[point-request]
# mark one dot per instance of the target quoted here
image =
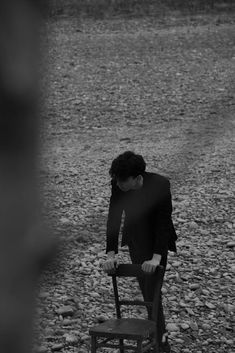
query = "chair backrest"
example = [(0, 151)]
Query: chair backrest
[(134, 270)]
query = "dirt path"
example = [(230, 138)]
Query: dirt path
[(167, 93)]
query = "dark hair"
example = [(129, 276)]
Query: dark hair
[(126, 165)]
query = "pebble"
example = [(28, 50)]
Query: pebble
[(172, 327), (64, 220), (176, 263), (193, 225), (231, 244), (41, 350), (194, 286), (57, 347), (184, 326), (229, 342), (101, 318), (67, 322), (194, 326), (71, 339), (204, 232), (85, 337), (189, 311), (173, 334), (178, 340), (205, 292), (229, 308), (65, 311), (209, 305)]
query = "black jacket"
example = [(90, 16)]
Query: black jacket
[(147, 221)]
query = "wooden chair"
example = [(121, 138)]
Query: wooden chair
[(113, 332)]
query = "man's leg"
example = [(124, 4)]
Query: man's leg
[(147, 285)]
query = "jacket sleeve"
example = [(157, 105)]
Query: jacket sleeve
[(163, 210), (114, 219)]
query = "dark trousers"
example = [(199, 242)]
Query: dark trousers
[(147, 285)]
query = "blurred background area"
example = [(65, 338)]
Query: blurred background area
[(107, 8), (24, 242)]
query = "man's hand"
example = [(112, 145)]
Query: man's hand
[(111, 263), (150, 266)]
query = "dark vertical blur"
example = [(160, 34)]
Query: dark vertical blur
[(21, 235)]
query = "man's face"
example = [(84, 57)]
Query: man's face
[(127, 184)]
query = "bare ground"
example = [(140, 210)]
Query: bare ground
[(165, 90)]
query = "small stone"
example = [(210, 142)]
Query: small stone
[(194, 286), (231, 244), (67, 322), (178, 340), (85, 337), (176, 263), (184, 326), (229, 308), (189, 311), (101, 319), (194, 326), (172, 327), (57, 347), (41, 349), (59, 332), (199, 303), (174, 334), (181, 220), (205, 292), (193, 225), (49, 331), (65, 311), (230, 342), (204, 232), (64, 220), (71, 339), (210, 306)]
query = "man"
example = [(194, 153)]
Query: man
[(148, 231)]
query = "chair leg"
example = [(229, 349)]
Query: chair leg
[(121, 346), (156, 348), (93, 344), (139, 346)]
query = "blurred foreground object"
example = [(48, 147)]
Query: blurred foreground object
[(22, 245)]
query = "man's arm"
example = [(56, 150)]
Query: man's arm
[(163, 214), (114, 219), (113, 227), (163, 209)]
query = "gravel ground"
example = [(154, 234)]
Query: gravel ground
[(167, 92)]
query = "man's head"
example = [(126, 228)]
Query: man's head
[(127, 169)]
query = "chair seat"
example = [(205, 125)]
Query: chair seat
[(125, 328)]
